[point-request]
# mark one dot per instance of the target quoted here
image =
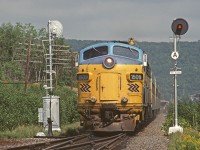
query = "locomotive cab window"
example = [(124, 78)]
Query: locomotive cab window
[(126, 52), (95, 52)]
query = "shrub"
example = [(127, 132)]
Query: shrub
[(189, 140), (20, 109), (188, 115)]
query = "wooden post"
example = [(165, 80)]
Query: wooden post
[(27, 66)]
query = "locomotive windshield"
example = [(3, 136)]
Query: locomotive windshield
[(95, 52), (126, 52)]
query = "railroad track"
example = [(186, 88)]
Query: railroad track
[(85, 141)]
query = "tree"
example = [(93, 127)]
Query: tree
[(14, 47)]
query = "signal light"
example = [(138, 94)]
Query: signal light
[(179, 29), (179, 26)]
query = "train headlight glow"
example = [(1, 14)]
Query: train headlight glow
[(109, 63)]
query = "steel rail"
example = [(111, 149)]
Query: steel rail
[(43, 144), (89, 143), (67, 142), (111, 142)]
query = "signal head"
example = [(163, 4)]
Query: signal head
[(179, 26)]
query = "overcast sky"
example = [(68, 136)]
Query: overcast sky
[(145, 20)]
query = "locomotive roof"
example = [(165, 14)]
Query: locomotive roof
[(124, 53), (112, 44)]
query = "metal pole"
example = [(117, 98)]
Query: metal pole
[(175, 85), (50, 57), (50, 86)]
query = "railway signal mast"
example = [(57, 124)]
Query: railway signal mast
[(51, 102), (179, 27)]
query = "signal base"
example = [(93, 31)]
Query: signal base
[(175, 129)]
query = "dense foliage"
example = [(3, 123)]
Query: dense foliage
[(19, 108)]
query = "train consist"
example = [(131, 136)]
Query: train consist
[(116, 89)]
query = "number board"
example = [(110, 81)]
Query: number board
[(82, 76), (136, 76)]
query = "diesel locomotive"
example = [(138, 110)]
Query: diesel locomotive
[(116, 87)]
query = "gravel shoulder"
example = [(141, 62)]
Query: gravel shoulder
[(150, 138)]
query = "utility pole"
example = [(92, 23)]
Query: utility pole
[(27, 66)]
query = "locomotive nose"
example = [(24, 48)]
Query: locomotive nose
[(109, 62)]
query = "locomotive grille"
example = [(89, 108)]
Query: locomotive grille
[(85, 87), (133, 87)]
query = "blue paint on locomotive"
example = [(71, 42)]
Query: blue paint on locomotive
[(123, 53)]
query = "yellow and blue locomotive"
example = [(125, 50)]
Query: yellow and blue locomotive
[(116, 90)]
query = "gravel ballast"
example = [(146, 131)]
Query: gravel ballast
[(149, 138)]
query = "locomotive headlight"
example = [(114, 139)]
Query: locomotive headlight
[(109, 62), (93, 99), (124, 100)]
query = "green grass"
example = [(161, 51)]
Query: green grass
[(21, 132), (72, 129), (31, 130)]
